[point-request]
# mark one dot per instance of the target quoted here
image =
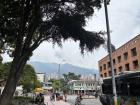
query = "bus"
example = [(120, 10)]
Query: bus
[(127, 87)]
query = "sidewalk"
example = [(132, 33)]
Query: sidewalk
[(88, 97), (48, 102)]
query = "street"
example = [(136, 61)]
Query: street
[(71, 101), (48, 102), (91, 101)]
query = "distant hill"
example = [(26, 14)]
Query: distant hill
[(50, 68)]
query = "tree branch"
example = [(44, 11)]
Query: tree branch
[(32, 26)]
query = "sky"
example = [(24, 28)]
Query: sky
[(124, 18)]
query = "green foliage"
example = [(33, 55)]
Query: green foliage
[(64, 85), (28, 78), (1, 59), (55, 84), (71, 76), (21, 99), (66, 78), (4, 71)]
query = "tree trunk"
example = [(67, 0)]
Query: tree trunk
[(11, 83), (8, 91)]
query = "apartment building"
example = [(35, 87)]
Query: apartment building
[(41, 77), (125, 58)]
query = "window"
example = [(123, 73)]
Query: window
[(135, 64), (133, 52), (120, 69), (109, 65), (110, 73), (105, 74), (127, 67), (114, 62), (104, 66), (125, 55), (119, 59), (115, 72), (100, 68), (101, 75)]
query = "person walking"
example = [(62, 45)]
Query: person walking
[(105, 100), (39, 99), (78, 99), (65, 97)]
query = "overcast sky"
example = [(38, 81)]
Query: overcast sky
[(124, 18)]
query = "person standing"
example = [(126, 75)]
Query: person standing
[(65, 96)]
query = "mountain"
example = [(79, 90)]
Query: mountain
[(50, 68)]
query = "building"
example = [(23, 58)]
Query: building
[(83, 86), (47, 86), (52, 76), (88, 77), (41, 77), (125, 58)]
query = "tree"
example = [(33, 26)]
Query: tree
[(25, 24), (55, 84), (66, 78), (28, 78), (71, 76)]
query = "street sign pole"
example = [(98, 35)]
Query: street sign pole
[(110, 53)]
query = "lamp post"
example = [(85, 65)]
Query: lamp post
[(110, 52), (59, 75)]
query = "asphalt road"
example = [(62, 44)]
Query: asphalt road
[(91, 101)]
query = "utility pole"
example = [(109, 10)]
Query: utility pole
[(110, 52)]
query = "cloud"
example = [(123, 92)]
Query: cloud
[(123, 17)]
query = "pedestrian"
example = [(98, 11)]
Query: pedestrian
[(65, 96), (39, 99), (78, 99), (122, 101), (103, 100), (96, 95)]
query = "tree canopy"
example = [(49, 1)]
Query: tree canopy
[(29, 22), (55, 84), (71, 76)]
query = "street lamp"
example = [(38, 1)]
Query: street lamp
[(59, 75), (110, 52)]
